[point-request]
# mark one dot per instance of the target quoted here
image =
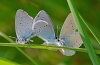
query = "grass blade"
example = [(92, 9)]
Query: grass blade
[(44, 47), (83, 33)]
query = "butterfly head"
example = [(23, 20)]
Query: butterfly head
[(21, 40)]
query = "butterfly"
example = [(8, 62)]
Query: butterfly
[(23, 27), (69, 36)]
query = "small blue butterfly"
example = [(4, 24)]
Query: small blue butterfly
[(23, 26)]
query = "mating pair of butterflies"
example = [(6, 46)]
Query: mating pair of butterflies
[(26, 27)]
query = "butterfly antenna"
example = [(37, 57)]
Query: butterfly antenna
[(12, 37), (31, 40)]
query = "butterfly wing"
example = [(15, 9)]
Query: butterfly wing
[(43, 30), (23, 26), (42, 15), (70, 36), (46, 31)]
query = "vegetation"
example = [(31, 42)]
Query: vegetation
[(88, 11)]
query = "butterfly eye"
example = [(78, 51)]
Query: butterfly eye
[(16, 39)]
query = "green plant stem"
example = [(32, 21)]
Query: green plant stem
[(10, 40), (44, 47), (83, 33)]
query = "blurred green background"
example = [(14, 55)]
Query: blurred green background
[(58, 11)]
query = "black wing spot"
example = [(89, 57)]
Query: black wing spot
[(71, 22), (46, 25), (72, 26), (68, 36), (61, 38), (34, 28), (36, 32), (39, 30), (20, 30), (20, 23), (41, 19), (38, 16)]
